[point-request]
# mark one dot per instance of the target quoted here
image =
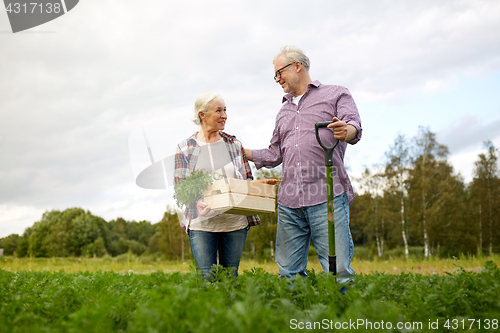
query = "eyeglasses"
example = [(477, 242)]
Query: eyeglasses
[(277, 75)]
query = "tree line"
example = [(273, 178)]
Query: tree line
[(413, 200), (76, 232), (416, 199)]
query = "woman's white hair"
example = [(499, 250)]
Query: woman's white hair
[(292, 53), (202, 104)]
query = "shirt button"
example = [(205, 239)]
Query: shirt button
[(298, 163), (296, 145), (297, 127)]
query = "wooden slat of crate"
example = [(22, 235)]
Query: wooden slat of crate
[(240, 204), (232, 185)]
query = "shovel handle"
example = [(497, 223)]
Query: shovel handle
[(328, 150)]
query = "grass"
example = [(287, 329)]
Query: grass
[(257, 301), (147, 265), (147, 294)]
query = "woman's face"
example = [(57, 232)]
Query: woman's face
[(215, 118)]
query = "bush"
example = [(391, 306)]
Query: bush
[(125, 257), (132, 245), (107, 257), (95, 249), (362, 253), (416, 252)]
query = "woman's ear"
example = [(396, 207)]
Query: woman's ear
[(201, 115)]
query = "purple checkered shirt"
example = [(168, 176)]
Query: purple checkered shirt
[(294, 144), (186, 156)]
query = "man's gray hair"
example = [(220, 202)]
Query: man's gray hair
[(202, 104), (292, 53)]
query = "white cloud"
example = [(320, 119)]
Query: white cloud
[(15, 219), (464, 162), (468, 133)]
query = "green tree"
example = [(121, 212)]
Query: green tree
[(359, 215), (423, 193), (117, 229), (60, 234), (173, 241), (9, 244), (124, 235), (96, 248), (449, 231), (141, 231), (23, 243), (396, 173), (86, 229), (486, 191), (38, 244), (154, 243), (60, 242), (372, 182), (127, 245)]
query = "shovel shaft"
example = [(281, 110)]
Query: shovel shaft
[(331, 215), (329, 193)]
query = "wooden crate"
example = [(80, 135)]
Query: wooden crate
[(241, 197)]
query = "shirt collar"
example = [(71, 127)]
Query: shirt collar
[(289, 96), (227, 138), (192, 139)]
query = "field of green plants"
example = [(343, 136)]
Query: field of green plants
[(129, 262), (256, 301)]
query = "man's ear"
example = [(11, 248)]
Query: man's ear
[(298, 66)]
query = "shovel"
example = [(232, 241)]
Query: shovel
[(332, 259)]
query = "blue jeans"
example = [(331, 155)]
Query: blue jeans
[(298, 226), (205, 246)]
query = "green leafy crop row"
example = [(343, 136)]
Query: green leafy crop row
[(256, 301)]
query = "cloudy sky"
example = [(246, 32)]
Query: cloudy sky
[(75, 92)]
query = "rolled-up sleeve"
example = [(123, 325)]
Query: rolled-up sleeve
[(348, 112)]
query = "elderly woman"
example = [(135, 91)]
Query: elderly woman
[(212, 150)]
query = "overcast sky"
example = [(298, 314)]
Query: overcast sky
[(75, 91)]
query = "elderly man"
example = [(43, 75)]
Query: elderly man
[(302, 207)]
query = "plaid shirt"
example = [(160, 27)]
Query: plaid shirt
[(186, 156)]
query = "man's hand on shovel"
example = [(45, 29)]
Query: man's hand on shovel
[(341, 130)]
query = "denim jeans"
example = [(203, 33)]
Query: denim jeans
[(205, 246), (298, 226)]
